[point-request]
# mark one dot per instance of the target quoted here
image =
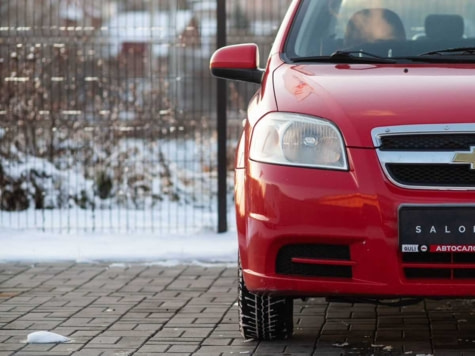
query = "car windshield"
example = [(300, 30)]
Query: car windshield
[(383, 31)]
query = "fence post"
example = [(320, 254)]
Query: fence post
[(222, 124)]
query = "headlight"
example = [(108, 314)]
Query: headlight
[(298, 140)]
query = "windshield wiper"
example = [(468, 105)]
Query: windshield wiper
[(450, 51), (360, 54), (347, 57), (448, 55)]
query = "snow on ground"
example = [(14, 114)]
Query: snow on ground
[(174, 227), (128, 237), (37, 246)]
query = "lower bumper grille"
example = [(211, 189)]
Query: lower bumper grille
[(448, 266), (311, 260)]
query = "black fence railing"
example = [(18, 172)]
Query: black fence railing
[(108, 111)]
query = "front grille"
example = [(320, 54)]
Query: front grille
[(428, 142), (441, 175), (448, 266), (315, 260), (428, 156)]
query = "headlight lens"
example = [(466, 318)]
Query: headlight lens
[(298, 140)]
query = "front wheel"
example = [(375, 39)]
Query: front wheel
[(264, 317)]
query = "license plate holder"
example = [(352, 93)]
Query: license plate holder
[(436, 229)]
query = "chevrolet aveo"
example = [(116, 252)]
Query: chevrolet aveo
[(355, 173)]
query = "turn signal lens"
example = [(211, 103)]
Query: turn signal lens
[(298, 140)]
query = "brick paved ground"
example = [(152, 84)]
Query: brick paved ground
[(188, 310)]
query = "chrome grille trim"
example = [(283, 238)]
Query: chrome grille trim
[(378, 132), (419, 157), (411, 157)]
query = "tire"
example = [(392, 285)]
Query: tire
[(264, 317)]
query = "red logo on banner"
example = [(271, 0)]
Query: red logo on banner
[(452, 248)]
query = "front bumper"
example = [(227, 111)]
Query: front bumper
[(310, 232)]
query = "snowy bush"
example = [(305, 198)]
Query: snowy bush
[(135, 174), (35, 183)]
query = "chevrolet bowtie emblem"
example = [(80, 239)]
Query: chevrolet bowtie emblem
[(465, 158)]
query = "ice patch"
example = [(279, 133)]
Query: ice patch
[(46, 337)]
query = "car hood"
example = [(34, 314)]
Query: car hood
[(358, 98)]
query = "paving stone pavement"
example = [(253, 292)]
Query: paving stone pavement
[(191, 310)]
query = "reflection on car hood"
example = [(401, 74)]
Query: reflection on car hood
[(363, 96)]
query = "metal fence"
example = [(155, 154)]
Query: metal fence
[(108, 111)]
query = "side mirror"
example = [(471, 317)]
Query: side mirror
[(237, 62)]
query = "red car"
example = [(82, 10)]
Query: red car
[(355, 174)]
